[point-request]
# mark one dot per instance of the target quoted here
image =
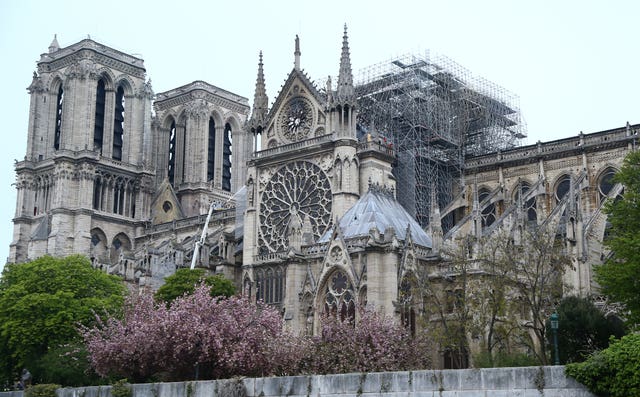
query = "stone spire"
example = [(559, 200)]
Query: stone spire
[(297, 54), (260, 101), (345, 91), (54, 46)]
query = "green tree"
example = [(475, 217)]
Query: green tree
[(619, 277), (184, 281), (41, 305), (522, 274), (583, 329)]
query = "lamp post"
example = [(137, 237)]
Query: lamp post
[(554, 328)]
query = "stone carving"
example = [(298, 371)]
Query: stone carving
[(36, 84), (197, 109)]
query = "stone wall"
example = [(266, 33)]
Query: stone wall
[(494, 382)]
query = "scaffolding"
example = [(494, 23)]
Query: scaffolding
[(436, 113)]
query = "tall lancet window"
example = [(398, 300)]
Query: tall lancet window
[(98, 130), (211, 150), (58, 131), (171, 166), (118, 125), (226, 158)]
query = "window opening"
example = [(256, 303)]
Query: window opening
[(563, 187), (184, 153), (226, 158), (339, 297), (407, 311), (270, 285), (211, 150), (171, 167), (58, 131), (97, 194), (606, 183), (118, 125), (98, 130), (530, 206), (488, 214)]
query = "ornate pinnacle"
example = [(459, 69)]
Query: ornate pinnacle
[(54, 46), (345, 91), (260, 100)]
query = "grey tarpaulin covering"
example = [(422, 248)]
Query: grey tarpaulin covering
[(380, 210)]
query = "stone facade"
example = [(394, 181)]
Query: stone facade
[(301, 204)]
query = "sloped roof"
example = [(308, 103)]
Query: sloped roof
[(379, 209)]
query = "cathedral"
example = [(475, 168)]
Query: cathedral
[(305, 204)]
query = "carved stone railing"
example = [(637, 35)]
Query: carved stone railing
[(315, 249), (198, 220), (271, 256), (81, 154), (448, 269), (540, 149), (292, 146), (373, 146)]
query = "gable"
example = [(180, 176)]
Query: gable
[(166, 206), (297, 113)]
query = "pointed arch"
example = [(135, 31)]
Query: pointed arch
[(171, 148), (488, 212), (99, 245), (118, 123), (121, 242), (109, 78), (127, 84), (530, 207), (336, 295), (227, 156), (58, 89), (211, 149), (99, 114), (407, 301)]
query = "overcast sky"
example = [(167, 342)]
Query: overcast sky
[(574, 64)]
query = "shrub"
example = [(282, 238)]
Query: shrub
[(121, 388), (42, 390), (614, 371)]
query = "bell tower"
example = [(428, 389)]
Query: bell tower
[(85, 181)]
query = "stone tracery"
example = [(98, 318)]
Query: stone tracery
[(297, 188)]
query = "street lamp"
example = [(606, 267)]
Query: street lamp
[(554, 328)]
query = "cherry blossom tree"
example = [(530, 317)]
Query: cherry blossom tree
[(201, 337), (196, 336), (375, 343)]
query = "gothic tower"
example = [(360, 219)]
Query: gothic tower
[(201, 145), (85, 183)]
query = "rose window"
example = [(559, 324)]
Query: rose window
[(296, 119), (298, 194)]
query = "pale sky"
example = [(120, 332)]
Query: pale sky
[(574, 64)]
